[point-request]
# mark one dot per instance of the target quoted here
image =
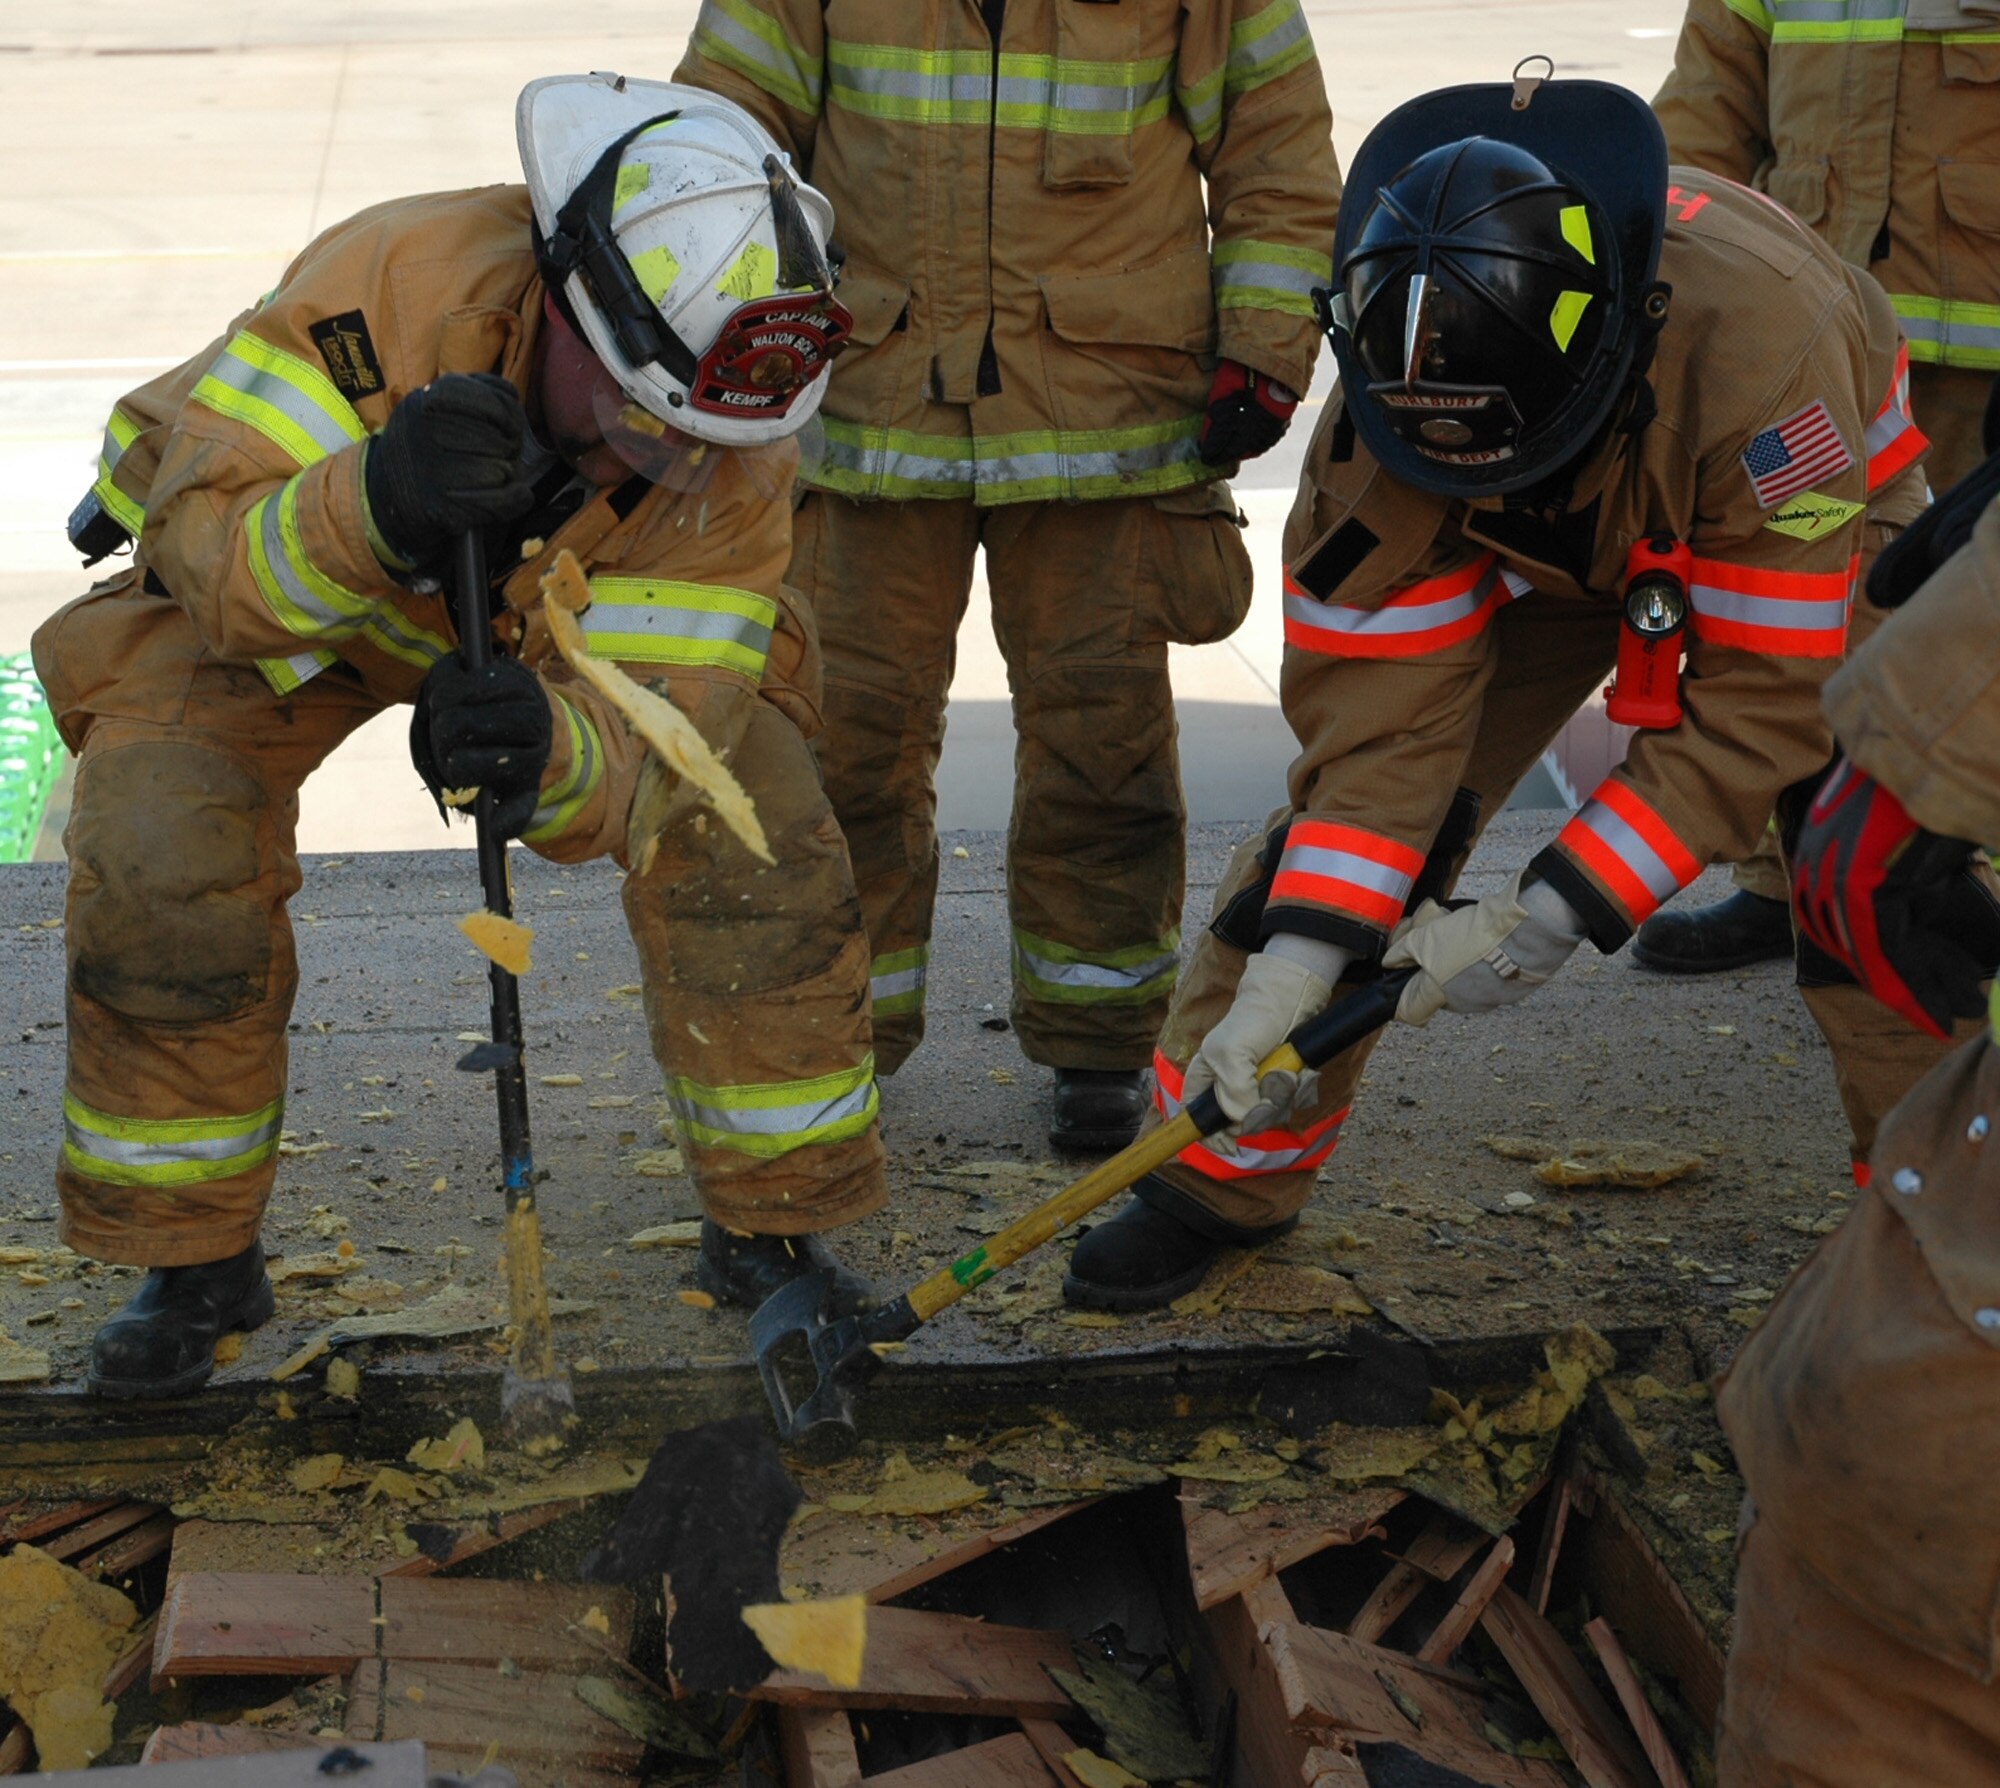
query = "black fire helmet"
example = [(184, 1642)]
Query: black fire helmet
[(1494, 269)]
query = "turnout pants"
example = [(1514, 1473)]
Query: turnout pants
[(1553, 655), (181, 969), (1086, 597)]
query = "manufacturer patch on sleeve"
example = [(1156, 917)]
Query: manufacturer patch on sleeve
[(344, 345), (1811, 515)]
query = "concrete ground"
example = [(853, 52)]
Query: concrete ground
[(393, 1152), (161, 161)]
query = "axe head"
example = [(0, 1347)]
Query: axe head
[(814, 1365)]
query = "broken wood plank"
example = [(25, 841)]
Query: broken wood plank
[(100, 1529), (1653, 1739), (196, 1739), (1008, 1762), (132, 1661), (940, 1663), (1337, 1688), (1387, 1602), (834, 1555), (268, 1624), (1227, 1553), (1547, 1549), (1636, 1593), (1052, 1744), (443, 1544), (1444, 1547), (1270, 1751), (118, 1558), (31, 1527), (468, 1708), (535, 1625), (816, 1745), (1267, 1601), (253, 1624), (16, 1747), (1604, 1752), (1463, 1615)]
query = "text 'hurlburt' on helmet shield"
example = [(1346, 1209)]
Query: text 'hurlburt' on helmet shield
[(694, 261), (1487, 309)]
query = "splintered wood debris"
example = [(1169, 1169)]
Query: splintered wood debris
[(672, 736), (505, 941), (1633, 1164), (827, 1639), (1351, 1587)]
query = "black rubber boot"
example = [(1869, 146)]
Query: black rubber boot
[(162, 1343), (1731, 934), (1154, 1250), (746, 1269), (1098, 1109)]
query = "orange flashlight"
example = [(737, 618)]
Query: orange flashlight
[(1645, 690)]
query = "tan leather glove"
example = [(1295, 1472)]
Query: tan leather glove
[(1481, 957), (1275, 996)]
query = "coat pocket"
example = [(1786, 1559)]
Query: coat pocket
[(1167, 304), (1199, 581), (878, 302), (1092, 93), (1800, 186)]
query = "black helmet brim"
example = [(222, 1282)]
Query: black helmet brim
[(1602, 139)]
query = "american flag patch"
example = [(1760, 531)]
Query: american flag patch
[(1792, 454)]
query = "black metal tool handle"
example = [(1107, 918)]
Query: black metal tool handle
[(1348, 1021), (475, 644)]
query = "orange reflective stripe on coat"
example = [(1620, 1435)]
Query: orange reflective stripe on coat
[(1419, 618), (1345, 869), (1629, 848), (1789, 614), (1264, 1151), (1893, 440)]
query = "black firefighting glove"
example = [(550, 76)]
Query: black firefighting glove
[(1248, 413), (486, 728), (1894, 904), (448, 460)]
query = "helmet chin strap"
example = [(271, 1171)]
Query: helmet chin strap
[(582, 242)]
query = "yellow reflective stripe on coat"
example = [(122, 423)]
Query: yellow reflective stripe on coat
[(1267, 44), (1949, 331), (739, 36), (1062, 973), (287, 676), (771, 1120), (303, 598), (124, 1151), (1035, 466), (896, 981), (1252, 275), (653, 620), (1014, 91), (570, 793), (1754, 11), (120, 431), (288, 401)]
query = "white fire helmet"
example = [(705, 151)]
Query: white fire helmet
[(692, 258)]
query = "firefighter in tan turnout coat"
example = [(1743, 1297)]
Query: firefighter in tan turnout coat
[(1876, 123), (1080, 240), (1865, 1410), (294, 490), (1554, 350)]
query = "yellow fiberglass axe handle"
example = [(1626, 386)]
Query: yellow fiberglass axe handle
[(1316, 1042)]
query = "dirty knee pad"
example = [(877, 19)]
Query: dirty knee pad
[(164, 853)]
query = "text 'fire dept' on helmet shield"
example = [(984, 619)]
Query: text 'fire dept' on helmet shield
[(1491, 291)]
